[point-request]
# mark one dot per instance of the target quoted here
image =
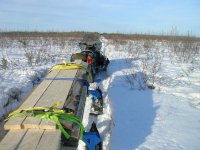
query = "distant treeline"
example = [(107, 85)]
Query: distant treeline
[(78, 35), (149, 37)]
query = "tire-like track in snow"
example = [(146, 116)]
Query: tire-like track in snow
[(104, 122)]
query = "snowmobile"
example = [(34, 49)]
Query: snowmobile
[(91, 53)]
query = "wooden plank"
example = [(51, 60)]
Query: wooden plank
[(31, 139), (47, 124), (14, 123), (57, 91), (65, 88), (31, 100), (29, 123), (51, 140), (12, 139), (40, 90)]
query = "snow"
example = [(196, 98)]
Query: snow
[(176, 125), (23, 76), (163, 118)]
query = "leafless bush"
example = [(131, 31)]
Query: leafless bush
[(4, 64), (118, 44), (134, 49), (37, 52), (23, 42), (148, 45), (62, 44), (190, 50), (185, 50), (29, 55), (136, 80), (149, 63), (43, 56), (4, 60)]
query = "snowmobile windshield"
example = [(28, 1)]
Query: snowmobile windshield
[(90, 42)]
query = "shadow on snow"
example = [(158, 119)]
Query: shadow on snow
[(132, 110)]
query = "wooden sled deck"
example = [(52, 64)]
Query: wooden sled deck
[(41, 134)]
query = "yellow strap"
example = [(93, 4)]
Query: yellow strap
[(67, 66), (51, 113), (52, 108)]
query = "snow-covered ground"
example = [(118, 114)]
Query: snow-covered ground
[(135, 117), (23, 63), (164, 118)]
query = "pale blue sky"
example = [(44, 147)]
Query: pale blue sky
[(126, 16)]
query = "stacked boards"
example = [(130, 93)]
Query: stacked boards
[(35, 133)]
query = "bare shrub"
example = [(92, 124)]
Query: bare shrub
[(134, 49), (186, 49), (130, 78), (151, 61), (39, 57), (4, 60), (28, 53), (4, 63), (62, 44), (189, 51), (30, 56), (23, 42), (37, 52), (119, 44), (136, 80), (147, 45), (149, 58)]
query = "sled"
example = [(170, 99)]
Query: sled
[(97, 102)]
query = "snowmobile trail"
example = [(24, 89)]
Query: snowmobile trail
[(104, 121)]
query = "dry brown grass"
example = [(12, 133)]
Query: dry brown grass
[(77, 35), (44, 35), (124, 37)]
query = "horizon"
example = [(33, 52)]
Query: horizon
[(102, 33)]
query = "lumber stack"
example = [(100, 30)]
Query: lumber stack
[(35, 133)]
